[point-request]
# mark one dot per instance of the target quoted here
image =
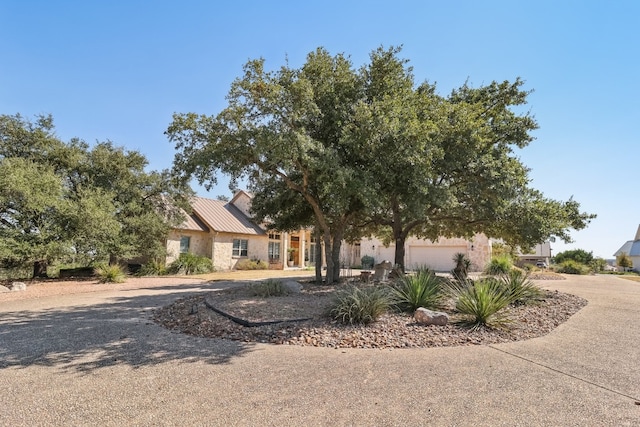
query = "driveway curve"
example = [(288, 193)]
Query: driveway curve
[(96, 359)]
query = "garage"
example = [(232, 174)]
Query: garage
[(438, 258)]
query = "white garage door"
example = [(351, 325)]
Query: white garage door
[(385, 254), (438, 258)]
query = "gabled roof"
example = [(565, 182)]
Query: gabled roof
[(221, 216), (631, 247), (193, 223), (626, 248)]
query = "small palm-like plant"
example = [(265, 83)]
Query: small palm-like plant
[(109, 273), (463, 264), (423, 289), (520, 289), (480, 303), (354, 305)]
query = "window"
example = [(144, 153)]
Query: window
[(274, 251), (312, 251), (240, 247), (185, 243), (274, 247)]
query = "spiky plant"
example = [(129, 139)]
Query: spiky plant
[(423, 289), (110, 273), (521, 290), (481, 303), (501, 264), (354, 305)]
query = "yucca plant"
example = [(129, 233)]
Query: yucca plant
[(521, 290), (423, 289), (354, 305), (109, 273), (480, 303)]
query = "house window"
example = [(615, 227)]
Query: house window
[(240, 247), (312, 250), (185, 243), (274, 247), (274, 251)]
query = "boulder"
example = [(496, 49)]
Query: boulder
[(18, 286), (292, 287), (424, 316), (4, 289), (381, 271)]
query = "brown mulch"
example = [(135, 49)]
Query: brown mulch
[(393, 330)]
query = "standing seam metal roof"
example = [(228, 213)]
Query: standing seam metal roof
[(224, 217)]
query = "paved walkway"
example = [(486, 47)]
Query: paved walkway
[(95, 359)]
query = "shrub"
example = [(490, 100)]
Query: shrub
[(189, 263), (367, 262), (499, 265), (109, 273), (423, 289), (519, 288), (480, 303), (153, 268), (354, 305), (572, 267), (251, 264), (269, 288)]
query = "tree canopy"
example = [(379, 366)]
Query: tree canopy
[(577, 255), (64, 201), (364, 151)]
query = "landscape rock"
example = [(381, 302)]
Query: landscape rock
[(424, 316), (18, 286), (381, 271), (292, 286), (4, 289)]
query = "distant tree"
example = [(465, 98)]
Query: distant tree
[(577, 255), (222, 198), (623, 260), (598, 264), (61, 200)]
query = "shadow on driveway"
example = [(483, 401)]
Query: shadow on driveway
[(115, 331)]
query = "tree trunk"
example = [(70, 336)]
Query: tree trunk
[(328, 257), (335, 253), (318, 260), (400, 253), (40, 268)]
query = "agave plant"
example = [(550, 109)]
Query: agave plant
[(354, 305)]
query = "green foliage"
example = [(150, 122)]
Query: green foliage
[(354, 305), (269, 288), (367, 262), (153, 268), (578, 255), (481, 303), (251, 264), (519, 288), (60, 200), (501, 264), (110, 273), (623, 260), (189, 263), (423, 289), (598, 264), (571, 267), (310, 142)]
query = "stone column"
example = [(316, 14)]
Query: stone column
[(303, 245)]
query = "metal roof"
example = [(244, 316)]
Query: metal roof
[(192, 222), (224, 217)]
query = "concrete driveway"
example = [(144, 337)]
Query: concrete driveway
[(96, 359)]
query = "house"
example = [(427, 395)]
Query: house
[(541, 254), (435, 255), (224, 232), (632, 249)]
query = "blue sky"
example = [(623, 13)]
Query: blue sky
[(119, 69)]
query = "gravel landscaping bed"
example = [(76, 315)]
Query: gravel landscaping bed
[(192, 316)]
